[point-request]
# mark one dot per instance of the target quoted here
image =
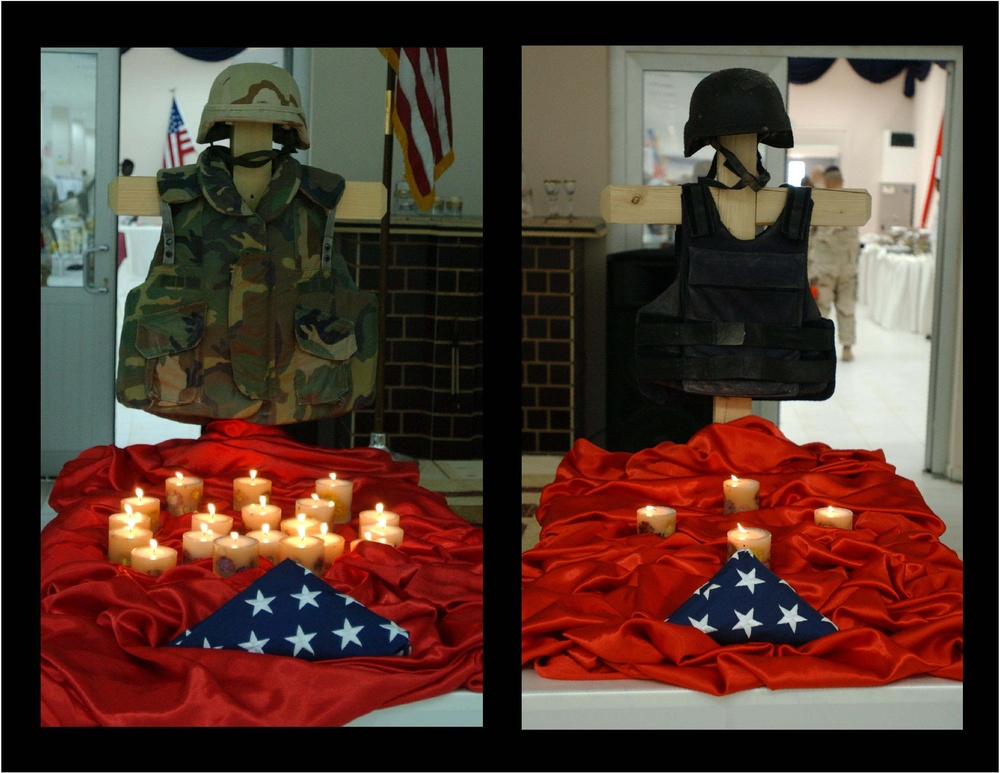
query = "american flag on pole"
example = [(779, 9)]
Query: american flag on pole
[(178, 143), (422, 118)]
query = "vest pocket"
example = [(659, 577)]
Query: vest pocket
[(324, 345), (169, 341)]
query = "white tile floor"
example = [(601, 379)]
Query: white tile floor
[(880, 402)]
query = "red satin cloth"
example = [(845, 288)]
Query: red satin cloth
[(104, 626), (595, 594)]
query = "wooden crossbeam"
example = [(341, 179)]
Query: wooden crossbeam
[(662, 205), (139, 196)]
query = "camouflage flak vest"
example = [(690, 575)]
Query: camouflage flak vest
[(739, 320), (248, 314)]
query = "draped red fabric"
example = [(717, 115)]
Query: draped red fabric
[(104, 626), (595, 593)]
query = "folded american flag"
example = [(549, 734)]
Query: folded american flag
[(747, 602), (290, 611)]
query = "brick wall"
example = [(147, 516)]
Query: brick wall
[(433, 403), (551, 356)]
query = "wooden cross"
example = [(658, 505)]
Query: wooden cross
[(140, 196), (740, 211)]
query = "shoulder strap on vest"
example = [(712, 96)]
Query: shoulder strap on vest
[(699, 215), (797, 213)]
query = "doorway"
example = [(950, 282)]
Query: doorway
[(942, 454)]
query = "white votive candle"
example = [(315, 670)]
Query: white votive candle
[(740, 495), (752, 538), (234, 553), (838, 517), (248, 490), (220, 523), (340, 491), (153, 559), (255, 516), (198, 543), (184, 494), (656, 519)]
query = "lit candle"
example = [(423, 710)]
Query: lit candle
[(378, 515), (333, 546), (198, 544), (255, 516), (383, 532), (249, 490), (304, 550), (269, 542), (838, 517), (121, 542), (128, 518), (148, 505), (184, 494), (365, 537), (339, 491), (314, 507), (153, 559), (755, 539), (290, 526), (220, 523), (741, 494), (234, 553), (654, 519)]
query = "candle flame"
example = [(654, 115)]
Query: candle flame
[(323, 528), (649, 508), (302, 534), (152, 545), (138, 493), (740, 527), (263, 501), (734, 478), (379, 507), (211, 509), (301, 516), (234, 535), (204, 529), (253, 474), (128, 509), (180, 475), (315, 496), (333, 476), (266, 528)]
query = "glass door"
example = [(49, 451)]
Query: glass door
[(79, 147)]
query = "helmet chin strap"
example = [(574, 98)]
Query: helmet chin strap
[(257, 158), (733, 164)]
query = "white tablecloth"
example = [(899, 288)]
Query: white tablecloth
[(897, 288)]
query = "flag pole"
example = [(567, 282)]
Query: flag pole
[(379, 435)]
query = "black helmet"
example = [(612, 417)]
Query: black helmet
[(736, 101)]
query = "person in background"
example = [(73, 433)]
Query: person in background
[(127, 167), (833, 269)]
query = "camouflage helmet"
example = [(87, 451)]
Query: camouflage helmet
[(261, 93), (737, 101)]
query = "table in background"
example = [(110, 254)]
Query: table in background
[(897, 288)]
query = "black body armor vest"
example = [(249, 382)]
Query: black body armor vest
[(739, 320)]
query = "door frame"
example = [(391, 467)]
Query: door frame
[(89, 395), (944, 437)]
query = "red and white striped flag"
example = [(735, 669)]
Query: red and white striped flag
[(178, 143), (422, 118)]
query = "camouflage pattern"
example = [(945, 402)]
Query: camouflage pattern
[(262, 93), (245, 323)]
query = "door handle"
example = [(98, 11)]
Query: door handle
[(88, 270)]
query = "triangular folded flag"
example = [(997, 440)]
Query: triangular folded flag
[(747, 602), (290, 611)]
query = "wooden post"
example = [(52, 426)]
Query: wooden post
[(740, 211)]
